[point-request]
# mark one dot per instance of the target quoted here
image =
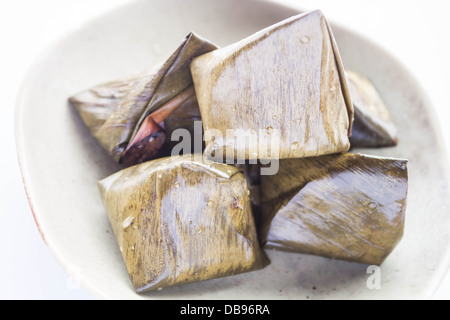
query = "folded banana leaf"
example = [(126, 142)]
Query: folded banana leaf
[(372, 126), (129, 117), (285, 84), (178, 220), (252, 176), (346, 206)]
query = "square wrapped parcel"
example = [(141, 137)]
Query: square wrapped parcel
[(283, 86), (347, 206)]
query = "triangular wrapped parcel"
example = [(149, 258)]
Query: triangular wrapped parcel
[(346, 206), (284, 86), (130, 117)]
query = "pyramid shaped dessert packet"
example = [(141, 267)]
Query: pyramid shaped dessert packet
[(130, 117), (182, 219), (344, 206), (283, 88)]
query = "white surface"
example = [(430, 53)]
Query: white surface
[(414, 35)]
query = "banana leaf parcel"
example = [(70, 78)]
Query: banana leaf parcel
[(346, 206), (285, 85), (178, 220), (133, 118)]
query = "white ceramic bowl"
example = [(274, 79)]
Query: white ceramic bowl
[(61, 162)]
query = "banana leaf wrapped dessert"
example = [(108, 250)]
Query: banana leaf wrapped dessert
[(284, 86), (252, 174), (346, 206), (133, 118), (372, 126), (178, 220)]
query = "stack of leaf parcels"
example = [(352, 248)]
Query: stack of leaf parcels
[(184, 218)]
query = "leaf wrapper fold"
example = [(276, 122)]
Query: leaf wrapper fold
[(373, 126)]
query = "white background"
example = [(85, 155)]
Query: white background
[(415, 31)]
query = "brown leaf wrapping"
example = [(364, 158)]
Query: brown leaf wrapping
[(373, 126), (286, 80), (178, 220), (347, 206), (115, 111)]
